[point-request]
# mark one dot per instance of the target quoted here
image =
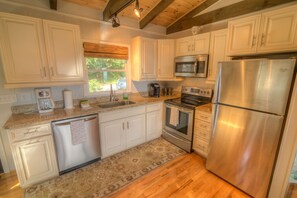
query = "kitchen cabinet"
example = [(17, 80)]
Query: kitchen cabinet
[(202, 131), (38, 52), (191, 45), (154, 121), (121, 129), (144, 58), (33, 153), (217, 52), (272, 31), (166, 59), (64, 51)]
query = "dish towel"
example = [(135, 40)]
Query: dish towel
[(78, 132), (174, 116)]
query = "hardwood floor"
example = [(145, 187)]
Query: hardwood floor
[(185, 176)]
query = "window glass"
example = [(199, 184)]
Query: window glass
[(105, 71)]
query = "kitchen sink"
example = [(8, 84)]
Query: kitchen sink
[(116, 104)]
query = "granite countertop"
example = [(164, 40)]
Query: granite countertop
[(205, 108), (35, 118)]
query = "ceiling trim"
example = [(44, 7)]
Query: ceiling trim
[(234, 10), (162, 5), (114, 7)]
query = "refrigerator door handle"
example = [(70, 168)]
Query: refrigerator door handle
[(217, 86)]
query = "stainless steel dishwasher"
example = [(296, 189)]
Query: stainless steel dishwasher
[(72, 156)]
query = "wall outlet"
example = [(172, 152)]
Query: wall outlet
[(8, 98)]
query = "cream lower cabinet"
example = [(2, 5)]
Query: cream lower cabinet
[(121, 129), (34, 154), (217, 53), (273, 31), (154, 121), (38, 52)]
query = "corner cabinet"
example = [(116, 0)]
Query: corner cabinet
[(272, 31), (33, 154), (38, 52), (191, 45), (217, 53), (144, 58)]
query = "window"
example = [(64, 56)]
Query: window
[(105, 71), (107, 65)]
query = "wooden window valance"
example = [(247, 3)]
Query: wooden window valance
[(105, 51)]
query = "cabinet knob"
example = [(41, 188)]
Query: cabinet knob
[(262, 39), (254, 41)]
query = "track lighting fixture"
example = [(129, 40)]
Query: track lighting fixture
[(115, 21), (137, 10)]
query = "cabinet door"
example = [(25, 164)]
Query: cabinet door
[(165, 59), (278, 32), (243, 34), (153, 125), (217, 53), (184, 46), (135, 130), (35, 160), (112, 137), (201, 44), (22, 49), (64, 49), (149, 58)]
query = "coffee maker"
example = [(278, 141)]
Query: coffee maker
[(44, 100), (154, 90)]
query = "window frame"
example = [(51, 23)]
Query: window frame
[(87, 93)]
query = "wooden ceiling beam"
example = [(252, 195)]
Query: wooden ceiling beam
[(234, 10), (114, 7), (154, 12), (53, 4)]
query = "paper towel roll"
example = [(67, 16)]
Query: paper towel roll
[(68, 102)]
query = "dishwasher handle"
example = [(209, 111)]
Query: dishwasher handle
[(67, 122)]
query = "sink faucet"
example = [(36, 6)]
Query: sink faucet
[(112, 96)]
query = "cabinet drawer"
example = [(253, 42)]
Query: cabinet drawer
[(153, 107), (200, 145), (202, 134), (201, 125), (29, 132), (203, 116), (120, 114)]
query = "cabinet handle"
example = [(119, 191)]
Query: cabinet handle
[(44, 71), (123, 126), (127, 125), (52, 71), (262, 39), (254, 41)]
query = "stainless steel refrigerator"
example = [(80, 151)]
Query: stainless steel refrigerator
[(250, 103)]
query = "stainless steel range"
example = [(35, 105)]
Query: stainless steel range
[(179, 116)]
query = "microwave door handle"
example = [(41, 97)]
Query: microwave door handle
[(196, 67)]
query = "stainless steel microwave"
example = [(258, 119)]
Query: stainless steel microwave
[(191, 66)]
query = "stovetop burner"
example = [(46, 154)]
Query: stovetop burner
[(192, 97)]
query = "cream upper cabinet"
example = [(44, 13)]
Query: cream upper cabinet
[(191, 45), (166, 59), (273, 31), (144, 58), (217, 53), (64, 51), (38, 52), (22, 49), (243, 35)]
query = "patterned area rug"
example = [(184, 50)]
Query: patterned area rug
[(110, 174)]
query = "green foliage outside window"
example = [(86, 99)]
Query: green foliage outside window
[(105, 71)]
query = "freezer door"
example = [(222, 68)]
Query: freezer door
[(243, 148), (262, 85)]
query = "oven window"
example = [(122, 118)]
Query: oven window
[(182, 126), (201, 67), (185, 67)]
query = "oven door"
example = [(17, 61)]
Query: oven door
[(184, 125)]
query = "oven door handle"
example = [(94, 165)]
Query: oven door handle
[(180, 108)]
